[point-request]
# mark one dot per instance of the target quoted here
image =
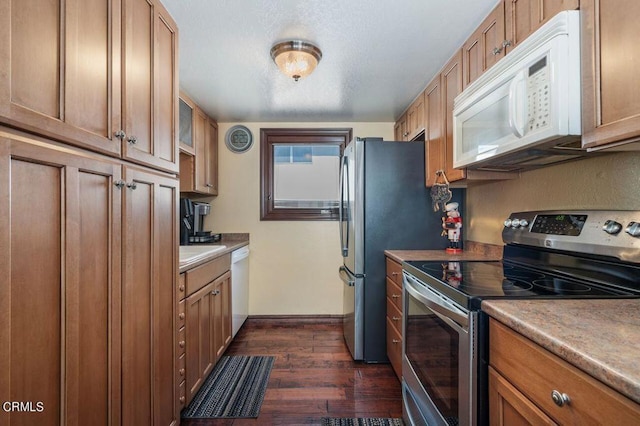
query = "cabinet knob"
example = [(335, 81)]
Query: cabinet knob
[(181, 287), (395, 296), (119, 184), (182, 371), (497, 50), (394, 341), (120, 134), (506, 43), (181, 343), (132, 186), (181, 315), (132, 140), (560, 399), (396, 318), (394, 273), (209, 185), (182, 399)]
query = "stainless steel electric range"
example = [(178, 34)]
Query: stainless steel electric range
[(547, 254)]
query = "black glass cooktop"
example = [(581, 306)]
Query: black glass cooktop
[(469, 282)]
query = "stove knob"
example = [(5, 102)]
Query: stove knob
[(611, 227), (507, 223), (515, 223), (633, 229)]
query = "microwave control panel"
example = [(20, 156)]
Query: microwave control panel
[(538, 95)]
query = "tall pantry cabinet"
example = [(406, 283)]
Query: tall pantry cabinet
[(88, 211)]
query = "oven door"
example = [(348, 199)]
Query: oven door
[(438, 366)]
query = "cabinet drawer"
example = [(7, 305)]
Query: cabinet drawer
[(394, 271), (591, 402), (394, 348), (181, 314), (182, 343), (394, 293), (204, 274), (182, 395), (182, 286), (394, 315)]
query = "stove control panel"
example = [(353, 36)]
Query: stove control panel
[(601, 232)]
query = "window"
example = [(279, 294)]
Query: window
[(300, 172)]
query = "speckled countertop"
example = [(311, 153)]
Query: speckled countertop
[(600, 337), (472, 251), (231, 241)]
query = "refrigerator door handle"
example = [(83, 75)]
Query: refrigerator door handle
[(346, 277), (344, 242)]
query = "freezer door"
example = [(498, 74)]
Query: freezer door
[(353, 313)]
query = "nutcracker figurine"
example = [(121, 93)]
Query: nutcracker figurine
[(451, 225)]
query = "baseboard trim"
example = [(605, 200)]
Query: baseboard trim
[(315, 319)]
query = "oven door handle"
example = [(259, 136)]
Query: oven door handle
[(458, 321)]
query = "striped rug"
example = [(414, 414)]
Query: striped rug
[(235, 388), (327, 421)]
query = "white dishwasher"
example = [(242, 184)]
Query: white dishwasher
[(239, 288)]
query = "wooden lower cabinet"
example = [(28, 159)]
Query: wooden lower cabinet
[(394, 315), (521, 392), (88, 290), (208, 326)]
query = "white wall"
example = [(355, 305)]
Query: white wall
[(294, 264)]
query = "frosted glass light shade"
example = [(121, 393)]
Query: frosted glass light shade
[(296, 59)]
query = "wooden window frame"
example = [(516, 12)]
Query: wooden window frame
[(293, 136)]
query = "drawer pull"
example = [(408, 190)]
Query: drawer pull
[(181, 344), (182, 371), (396, 318), (394, 341), (395, 296), (181, 316), (181, 287), (560, 399), (394, 273), (182, 399)]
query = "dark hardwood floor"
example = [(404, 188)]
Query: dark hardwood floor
[(313, 375)]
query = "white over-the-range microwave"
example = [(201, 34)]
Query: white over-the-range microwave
[(525, 111)]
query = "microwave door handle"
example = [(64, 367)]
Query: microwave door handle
[(517, 103), (454, 319)]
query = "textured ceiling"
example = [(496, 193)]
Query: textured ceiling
[(377, 55)]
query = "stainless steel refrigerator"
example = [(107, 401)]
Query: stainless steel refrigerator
[(384, 205)]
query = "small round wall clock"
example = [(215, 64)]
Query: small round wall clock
[(239, 139)]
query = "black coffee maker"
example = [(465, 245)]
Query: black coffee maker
[(186, 220)]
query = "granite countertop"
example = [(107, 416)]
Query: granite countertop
[(472, 251), (600, 337), (231, 241)]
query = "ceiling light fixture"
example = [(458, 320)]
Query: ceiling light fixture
[(296, 58)]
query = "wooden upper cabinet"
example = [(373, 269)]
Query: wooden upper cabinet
[(485, 46), (610, 79), (451, 87), (415, 117), (186, 116), (433, 136), (150, 86), (94, 74), (523, 17), (400, 129)]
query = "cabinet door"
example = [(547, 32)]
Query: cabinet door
[(60, 303), (451, 87), (186, 116), (415, 117), (400, 129), (149, 253), (223, 313), (149, 85), (484, 48), (200, 352), (610, 81), (507, 406), (59, 70), (524, 17), (435, 157), (200, 130), (211, 157)]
